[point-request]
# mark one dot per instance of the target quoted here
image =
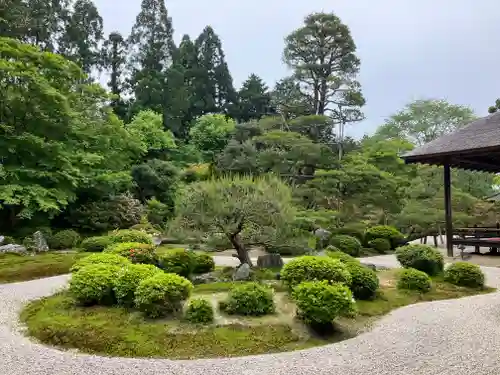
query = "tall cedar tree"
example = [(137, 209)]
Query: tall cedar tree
[(289, 101), (114, 59), (322, 56), (151, 52), (254, 100), (83, 36), (214, 86)]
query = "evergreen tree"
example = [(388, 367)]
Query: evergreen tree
[(289, 101), (254, 100)]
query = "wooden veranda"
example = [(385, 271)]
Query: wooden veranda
[(475, 147)]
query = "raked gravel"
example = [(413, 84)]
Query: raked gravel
[(452, 337)]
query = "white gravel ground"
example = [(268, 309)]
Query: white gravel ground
[(452, 337)]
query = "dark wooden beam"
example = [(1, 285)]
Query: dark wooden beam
[(447, 210)]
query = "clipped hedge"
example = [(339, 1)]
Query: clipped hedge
[(96, 244), (64, 239), (381, 245), (100, 258), (203, 263), (364, 282), (250, 299), (128, 280), (412, 279), (93, 284), (464, 274), (421, 257), (334, 253), (387, 232), (348, 244), (178, 261), (199, 311), (136, 252), (130, 235)]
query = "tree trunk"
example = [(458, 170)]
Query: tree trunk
[(242, 253)]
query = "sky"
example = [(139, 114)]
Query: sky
[(409, 49)]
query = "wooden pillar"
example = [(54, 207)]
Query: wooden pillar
[(447, 210)]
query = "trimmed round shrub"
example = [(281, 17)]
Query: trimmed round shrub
[(162, 294), (250, 299), (319, 302), (203, 263), (308, 268), (93, 284), (65, 239), (352, 230), (421, 257), (96, 244), (136, 252), (381, 245), (464, 274), (334, 253), (179, 261), (128, 280), (387, 232), (364, 282), (199, 311), (130, 235), (348, 244), (412, 279), (101, 258)]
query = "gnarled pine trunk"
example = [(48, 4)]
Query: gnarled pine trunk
[(239, 246)]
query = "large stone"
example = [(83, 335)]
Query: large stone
[(323, 236), (12, 248), (2, 238), (205, 278), (242, 272), (39, 241), (270, 261)]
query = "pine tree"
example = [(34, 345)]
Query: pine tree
[(254, 100)]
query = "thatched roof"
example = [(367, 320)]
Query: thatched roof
[(476, 146)]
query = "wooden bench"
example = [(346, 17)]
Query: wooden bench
[(478, 237)]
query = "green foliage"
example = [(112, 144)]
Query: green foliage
[(96, 244), (65, 239), (353, 230), (93, 284), (128, 280), (211, 133), (464, 274), (413, 279), (319, 302), (382, 245), (364, 282), (203, 263), (421, 257), (130, 235), (158, 213), (178, 261), (250, 299), (136, 252), (162, 294), (333, 252), (384, 231), (104, 258), (308, 268), (199, 311), (347, 244), (147, 126)]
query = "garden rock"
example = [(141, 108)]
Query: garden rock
[(374, 267), (270, 261), (157, 240), (242, 273), (205, 278), (323, 235), (12, 248), (40, 242), (2, 238)]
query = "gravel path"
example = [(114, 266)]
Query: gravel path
[(452, 337)]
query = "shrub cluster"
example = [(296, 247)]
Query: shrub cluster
[(136, 252), (249, 299), (319, 302), (199, 311), (203, 263), (348, 244), (364, 281), (178, 261), (387, 232), (64, 239), (308, 268), (93, 284), (100, 258), (421, 257), (412, 279), (162, 294), (352, 230), (464, 274), (381, 245), (96, 244), (334, 253), (130, 235), (128, 279)]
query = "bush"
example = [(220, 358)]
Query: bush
[(8, 240), (464, 274), (308, 268), (203, 263), (178, 261), (103, 258), (199, 311), (352, 230), (380, 245), (334, 253), (128, 280), (347, 244), (413, 279), (250, 299), (319, 302), (387, 232), (421, 257), (65, 239), (158, 212), (96, 244), (136, 252), (364, 282), (130, 235), (93, 284), (162, 294)]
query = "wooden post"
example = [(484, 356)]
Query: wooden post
[(477, 249), (447, 210)]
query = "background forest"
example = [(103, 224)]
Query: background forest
[(77, 155)]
